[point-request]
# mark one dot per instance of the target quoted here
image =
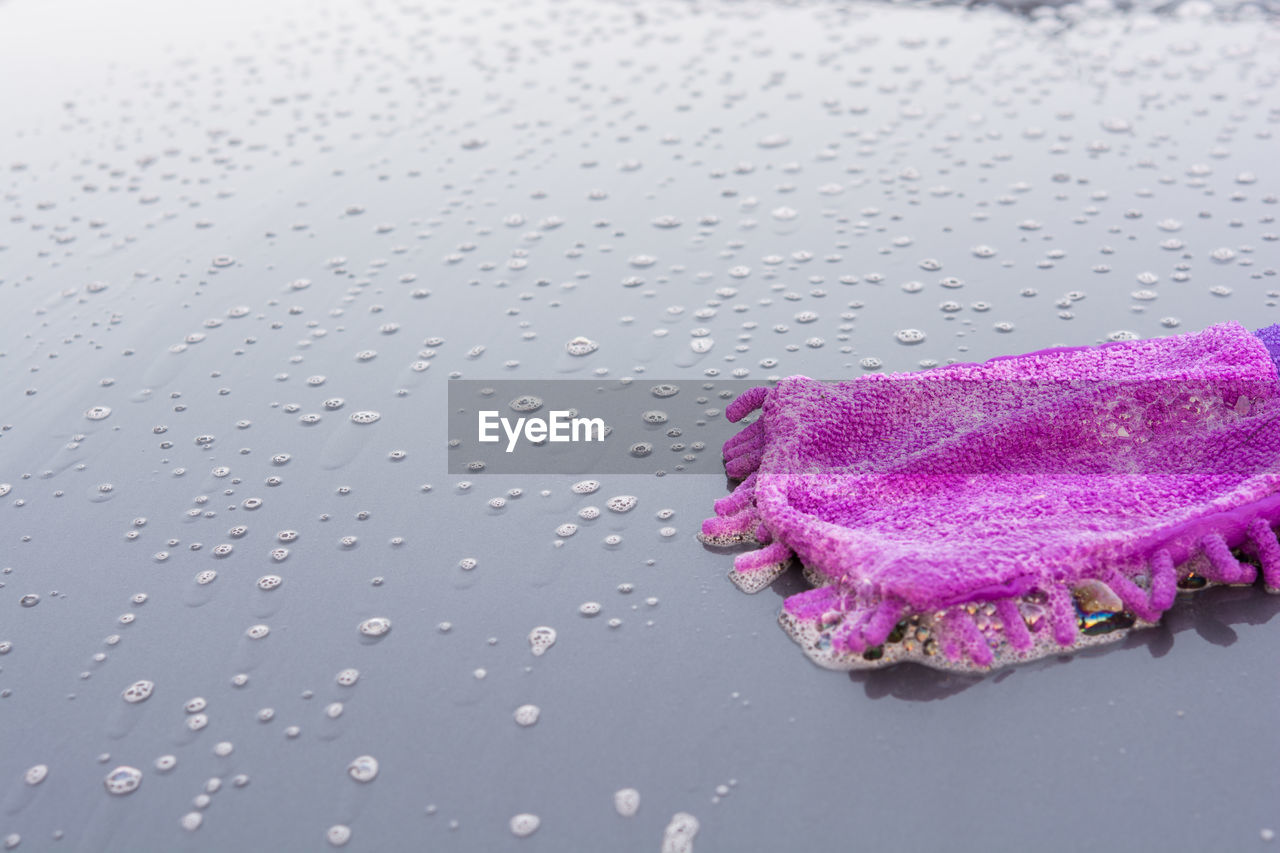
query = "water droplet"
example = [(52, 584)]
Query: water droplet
[(523, 825), (626, 801), (363, 768), (375, 627), (123, 780), (137, 692), (541, 639)]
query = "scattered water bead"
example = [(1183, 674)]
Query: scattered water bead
[(468, 563), (525, 403), (196, 722), (524, 825), (679, 834), (589, 608), (541, 639), (195, 705), (348, 677), (365, 417), (376, 626), (123, 780), (585, 487), (31, 599), (36, 774), (269, 582), (139, 691), (257, 632), (165, 763), (654, 416), (97, 413), (640, 449), (527, 715), (511, 195), (664, 390), (613, 540), (581, 346), (566, 530), (622, 503), (191, 821), (626, 801), (363, 768), (338, 834), (588, 513), (909, 336)]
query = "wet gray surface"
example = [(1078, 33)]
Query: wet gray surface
[(206, 207)]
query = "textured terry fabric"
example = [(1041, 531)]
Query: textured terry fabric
[(1027, 475), (1271, 338)]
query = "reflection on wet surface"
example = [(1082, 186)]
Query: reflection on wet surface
[(1209, 614), (243, 248)]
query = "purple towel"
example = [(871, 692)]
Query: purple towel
[(982, 514)]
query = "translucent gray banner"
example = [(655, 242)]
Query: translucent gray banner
[(933, 424), (589, 426)]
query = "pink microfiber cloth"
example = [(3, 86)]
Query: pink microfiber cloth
[(982, 514)]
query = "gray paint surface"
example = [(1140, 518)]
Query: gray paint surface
[(199, 160)]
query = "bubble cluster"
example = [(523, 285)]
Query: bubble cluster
[(376, 626), (123, 780), (137, 692), (541, 639), (622, 503)]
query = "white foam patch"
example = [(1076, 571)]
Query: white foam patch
[(757, 579), (679, 834)]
